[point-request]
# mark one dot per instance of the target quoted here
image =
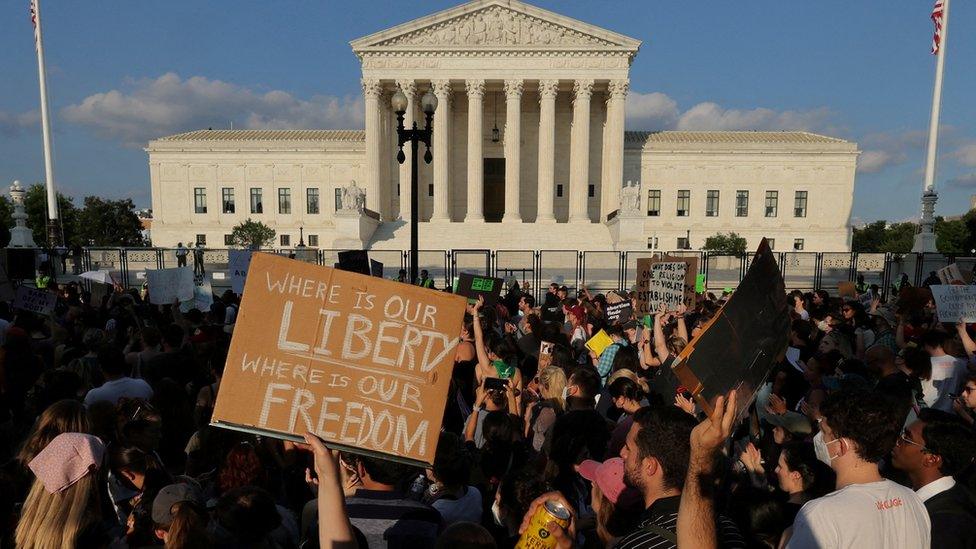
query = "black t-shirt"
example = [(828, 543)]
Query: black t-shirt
[(898, 386), (664, 384)]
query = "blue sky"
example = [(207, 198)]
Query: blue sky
[(122, 72)]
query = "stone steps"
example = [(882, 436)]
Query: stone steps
[(438, 235)]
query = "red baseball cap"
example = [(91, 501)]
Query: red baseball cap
[(609, 476)]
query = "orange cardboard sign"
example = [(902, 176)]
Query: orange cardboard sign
[(363, 362)]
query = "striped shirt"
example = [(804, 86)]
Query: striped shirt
[(664, 513), (388, 519)]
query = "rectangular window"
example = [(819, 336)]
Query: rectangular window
[(398, 189), (684, 203), (653, 203), (284, 201), (338, 199), (683, 243), (772, 243), (257, 206), (559, 191), (652, 243), (227, 198), (591, 191), (711, 204), (742, 203), (313, 240), (200, 200), (430, 189), (312, 201), (772, 203), (285, 240), (798, 244), (202, 239), (800, 204), (228, 240)]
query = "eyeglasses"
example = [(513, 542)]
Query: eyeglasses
[(903, 439), (968, 388)]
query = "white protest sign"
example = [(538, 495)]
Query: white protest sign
[(238, 263), (36, 301), (951, 275), (954, 303), (167, 285), (202, 298)]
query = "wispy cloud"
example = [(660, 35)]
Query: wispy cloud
[(149, 108), (14, 124)]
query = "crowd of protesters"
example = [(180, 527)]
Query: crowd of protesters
[(861, 437)]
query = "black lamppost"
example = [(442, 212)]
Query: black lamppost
[(428, 103)]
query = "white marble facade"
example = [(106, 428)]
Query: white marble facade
[(555, 88)]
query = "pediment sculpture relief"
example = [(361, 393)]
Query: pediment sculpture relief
[(496, 26)]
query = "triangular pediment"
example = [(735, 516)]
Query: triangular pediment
[(495, 24)]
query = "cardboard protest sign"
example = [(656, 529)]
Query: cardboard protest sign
[(41, 302), (237, 264), (167, 285), (471, 286), (202, 297), (363, 362), (846, 288), (666, 280), (354, 261), (955, 303), (951, 275), (739, 346), (599, 342)]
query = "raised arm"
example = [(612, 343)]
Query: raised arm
[(335, 530), (967, 341), (484, 363), (660, 346), (682, 327)]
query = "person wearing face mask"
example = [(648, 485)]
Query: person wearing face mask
[(858, 429)]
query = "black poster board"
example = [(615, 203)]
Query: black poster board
[(621, 312), (376, 268), (354, 261), (471, 286), (741, 343)]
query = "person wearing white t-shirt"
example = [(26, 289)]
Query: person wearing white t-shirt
[(948, 372), (858, 429), (117, 385)]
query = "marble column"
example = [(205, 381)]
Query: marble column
[(442, 164), (579, 154), (613, 148), (476, 94), (372, 91), (513, 145), (409, 88), (547, 145)]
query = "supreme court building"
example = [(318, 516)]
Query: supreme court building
[(529, 151)]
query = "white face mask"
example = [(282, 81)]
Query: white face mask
[(820, 448), (823, 326), (496, 513)]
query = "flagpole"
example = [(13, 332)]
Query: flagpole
[(53, 234), (925, 240)]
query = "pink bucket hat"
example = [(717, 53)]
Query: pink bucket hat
[(609, 476), (66, 459)]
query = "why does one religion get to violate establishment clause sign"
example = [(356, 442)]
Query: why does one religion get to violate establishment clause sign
[(363, 362), (668, 281)]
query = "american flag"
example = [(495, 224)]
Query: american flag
[(33, 16), (937, 15)]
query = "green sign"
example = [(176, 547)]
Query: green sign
[(479, 284)]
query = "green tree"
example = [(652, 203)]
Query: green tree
[(6, 222), (951, 236), (869, 237), (35, 205), (252, 234), (899, 238), (726, 243), (109, 223)]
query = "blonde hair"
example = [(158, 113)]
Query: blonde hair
[(53, 521), (552, 381), (64, 416), (629, 374)]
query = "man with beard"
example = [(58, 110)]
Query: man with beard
[(656, 457)]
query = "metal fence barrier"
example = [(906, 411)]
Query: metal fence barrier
[(536, 269)]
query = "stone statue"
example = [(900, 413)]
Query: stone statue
[(353, 198), (21, 235), (630, 198)]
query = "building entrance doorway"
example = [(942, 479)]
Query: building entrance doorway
[(494, 189)]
